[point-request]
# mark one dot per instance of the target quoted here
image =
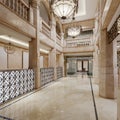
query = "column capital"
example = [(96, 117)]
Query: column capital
[(35, 3)]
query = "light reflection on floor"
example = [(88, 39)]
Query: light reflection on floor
[(69, 98)]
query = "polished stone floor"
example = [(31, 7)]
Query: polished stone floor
[(68, 98)]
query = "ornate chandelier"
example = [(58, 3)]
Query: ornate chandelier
[(73, 31), (64, 8)]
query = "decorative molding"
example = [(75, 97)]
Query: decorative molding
[(113, 32)]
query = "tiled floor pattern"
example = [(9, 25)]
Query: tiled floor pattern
[(69, 98)]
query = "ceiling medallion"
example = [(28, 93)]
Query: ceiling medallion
[(64, 8), (73, 31)]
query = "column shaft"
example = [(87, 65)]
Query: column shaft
[(108, 67)]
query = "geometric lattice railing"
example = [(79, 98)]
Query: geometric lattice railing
[(47, 75), (59, 72), (14, 83)]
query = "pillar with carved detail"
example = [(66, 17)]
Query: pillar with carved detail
[(34, 45), (107, 67)]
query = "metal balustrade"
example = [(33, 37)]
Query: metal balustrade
[(46, 75), (17, 6), (59, 72), (14, 83)]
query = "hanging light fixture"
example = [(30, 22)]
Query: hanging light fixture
[(9, 49), (73, 31), (64, 8)]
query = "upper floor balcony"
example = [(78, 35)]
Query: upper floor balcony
[(18, 14), (20, 7), (47, 30), (83, 44)]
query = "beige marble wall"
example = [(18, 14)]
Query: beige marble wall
[(45, 60), (15, 60), (3, 59), (25, 60)]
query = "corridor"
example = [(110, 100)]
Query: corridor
[(68, 98)]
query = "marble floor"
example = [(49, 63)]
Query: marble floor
[(68, 98)]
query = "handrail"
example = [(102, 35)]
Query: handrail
[(58, 40), (45, 24), (17, 6), (79, 42), (46, 28), (58, 37)]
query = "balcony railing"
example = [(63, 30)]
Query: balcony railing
[(46, 29), (14, 83), (79, 43), (59, 71), (58, 41), (47, 75), (17, 6)]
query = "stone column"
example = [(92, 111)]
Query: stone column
[(52, 61), (95, 66), (52, 54), (61, 62), (108, 67), (118, 96), (34, 46)]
